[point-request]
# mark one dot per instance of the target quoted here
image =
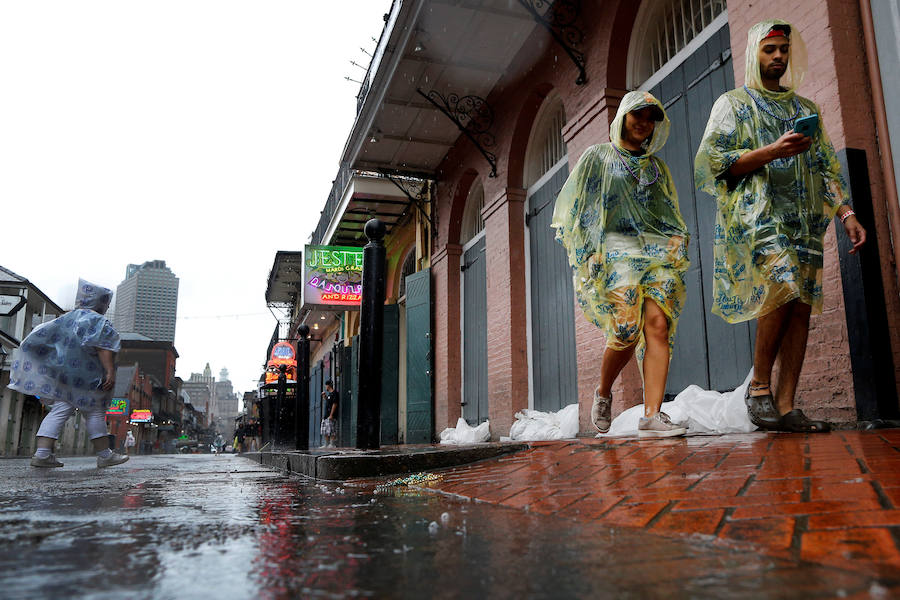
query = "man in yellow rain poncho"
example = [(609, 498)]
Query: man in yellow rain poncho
[(776, 192), (618, 218)]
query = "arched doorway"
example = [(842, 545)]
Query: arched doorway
[(473, 325), (553, 370), (681, 53)]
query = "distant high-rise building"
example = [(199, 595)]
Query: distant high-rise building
[(147, 301), (226, 403)]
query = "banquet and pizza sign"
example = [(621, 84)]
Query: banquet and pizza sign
[(332, 277), (141, 416)]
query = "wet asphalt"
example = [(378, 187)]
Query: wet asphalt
[(218, 527)]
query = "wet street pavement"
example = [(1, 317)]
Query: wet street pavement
[(189, 526)]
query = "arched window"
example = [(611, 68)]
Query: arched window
[(472, 223), (408, 268), (546, 146), (664, 29)]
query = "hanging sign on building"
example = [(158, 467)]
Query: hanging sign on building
[(141, 416), (118, 406), (332, 277), (10, 305)]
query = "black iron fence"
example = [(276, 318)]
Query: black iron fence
[(332, 204)]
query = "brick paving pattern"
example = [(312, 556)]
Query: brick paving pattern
[(827, 499)]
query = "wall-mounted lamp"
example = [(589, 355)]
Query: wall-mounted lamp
[(419, 47)]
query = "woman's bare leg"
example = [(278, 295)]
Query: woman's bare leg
[(656, 356), (613, 363)]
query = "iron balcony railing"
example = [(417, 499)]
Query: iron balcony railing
[(332, 204)]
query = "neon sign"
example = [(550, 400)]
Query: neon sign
[(141, 416), (332, 276), (118, 406)]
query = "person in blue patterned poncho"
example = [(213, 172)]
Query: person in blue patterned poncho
[(777, 191), (69, 365), (618, 218)]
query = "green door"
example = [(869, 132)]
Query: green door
[(345, 382), (354, 391), (390, 370), (419, 408)]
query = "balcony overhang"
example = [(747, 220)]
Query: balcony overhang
[(442, 49), (285, 279), (366, 197)]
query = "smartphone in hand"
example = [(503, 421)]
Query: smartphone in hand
[(807, 125)]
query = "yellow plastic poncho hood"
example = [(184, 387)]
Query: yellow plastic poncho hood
[(634, 101), (796, 68), (618, 218)]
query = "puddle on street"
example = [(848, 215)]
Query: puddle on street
[(247, 533)]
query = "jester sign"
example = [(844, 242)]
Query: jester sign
[(332, 277)]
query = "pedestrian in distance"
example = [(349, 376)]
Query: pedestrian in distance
[(618, 218), (129, 442), (69, 365), (766, 158), (329, 423)]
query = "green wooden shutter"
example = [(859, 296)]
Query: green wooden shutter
[(419, 406)]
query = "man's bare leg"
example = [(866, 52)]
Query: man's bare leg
[(791, 355), (770, 332), (656, 356)]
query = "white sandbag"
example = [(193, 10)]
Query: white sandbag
[(699, 410), (464, 433), (534, 425)]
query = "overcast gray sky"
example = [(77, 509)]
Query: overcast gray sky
[(204, 133)]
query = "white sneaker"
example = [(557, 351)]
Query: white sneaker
[(48, 462), (112, 459), (601, 412), (659, 425)]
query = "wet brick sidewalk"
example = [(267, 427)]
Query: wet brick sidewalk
[(827, 499)]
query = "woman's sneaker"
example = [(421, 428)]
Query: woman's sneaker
[(659, 425), (50, 461), (601, 412), (112, 459)]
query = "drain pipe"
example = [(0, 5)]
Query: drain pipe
[(884, 145)]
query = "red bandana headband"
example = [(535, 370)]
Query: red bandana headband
[(776, 32)]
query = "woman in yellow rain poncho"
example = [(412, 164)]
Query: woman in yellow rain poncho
[(618, 218), (776, 192)]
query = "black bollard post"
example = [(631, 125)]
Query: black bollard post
[(265, 421), (371, 334), (280, 401), (301, 413)]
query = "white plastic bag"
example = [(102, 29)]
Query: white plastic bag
[(464, 433), (699, 410), (534, 425)]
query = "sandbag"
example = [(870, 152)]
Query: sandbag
[(464, 433)]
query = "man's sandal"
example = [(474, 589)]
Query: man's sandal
[(761, 409), (796, 422)]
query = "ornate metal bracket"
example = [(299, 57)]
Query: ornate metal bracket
[(417, 198), (472, 115), (560, 22)]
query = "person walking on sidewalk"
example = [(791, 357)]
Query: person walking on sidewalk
[(618, 218), (329, 423), (777, 190), (129, 442), (69, 364)]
